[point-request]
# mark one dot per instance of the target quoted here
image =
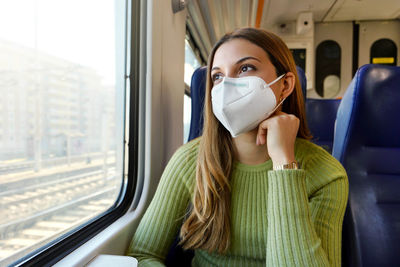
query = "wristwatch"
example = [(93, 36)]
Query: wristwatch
[(290, 166)]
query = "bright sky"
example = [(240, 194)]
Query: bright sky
[(80, 31)]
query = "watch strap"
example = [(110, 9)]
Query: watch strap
[(290, 166)]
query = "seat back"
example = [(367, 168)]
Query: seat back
[(197, 94), (303, 81), (367, 143), (321, 116)]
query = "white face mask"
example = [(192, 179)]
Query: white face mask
[(240, 104)]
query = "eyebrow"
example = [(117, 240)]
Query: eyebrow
[(240, 61)]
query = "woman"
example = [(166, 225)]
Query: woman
[(259, 193)]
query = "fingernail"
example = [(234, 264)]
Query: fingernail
[(257, 141)]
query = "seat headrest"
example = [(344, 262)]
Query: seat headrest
[(321, 116), (369, 111), (197, 93), (303, 81)]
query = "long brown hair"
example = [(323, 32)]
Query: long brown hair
[(208, 224)]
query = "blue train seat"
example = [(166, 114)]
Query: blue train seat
[(367, 143), (321, 116), (303, 81), (197, 94)]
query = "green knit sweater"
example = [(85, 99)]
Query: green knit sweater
[(278, 218)]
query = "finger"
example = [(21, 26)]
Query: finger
[(276, 114), (263, 128), (262, 132)]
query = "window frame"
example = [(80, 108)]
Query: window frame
[(62, 246)]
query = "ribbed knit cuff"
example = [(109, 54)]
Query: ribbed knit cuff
[(287, 192), (292, 240)]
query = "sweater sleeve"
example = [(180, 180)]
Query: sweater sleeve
[(163, 217), (306, 229)]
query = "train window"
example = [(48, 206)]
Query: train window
[(299, 56), (383, 51), (191, 64), (327, 69), (61, 158)]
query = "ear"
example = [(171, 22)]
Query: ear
[(288, 83)]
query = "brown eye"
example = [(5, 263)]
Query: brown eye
[(216, 77), (246, 68)]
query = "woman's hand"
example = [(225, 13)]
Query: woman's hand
[(279, 132)]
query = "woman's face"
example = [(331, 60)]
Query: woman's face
[(240, 58)]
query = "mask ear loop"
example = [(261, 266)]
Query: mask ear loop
[(277, 79), (280, 101), (277, 106)]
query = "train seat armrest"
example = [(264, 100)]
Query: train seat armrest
[(113, 260)]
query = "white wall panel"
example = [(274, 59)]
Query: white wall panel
[(342, 33), (371, 31)]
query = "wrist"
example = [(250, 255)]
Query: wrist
[(283, 160)]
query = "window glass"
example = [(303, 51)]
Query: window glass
[(191, 64), (299, 56), (331, 86), (384, 51), (327, 69), (61, 118)]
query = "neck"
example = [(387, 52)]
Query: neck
[(247, 152)]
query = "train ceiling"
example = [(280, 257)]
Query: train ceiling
[(213, 18)]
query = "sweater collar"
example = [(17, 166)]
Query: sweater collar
[(265, 166)]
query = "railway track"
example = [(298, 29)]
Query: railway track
[(32, 216), (26, 165)]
